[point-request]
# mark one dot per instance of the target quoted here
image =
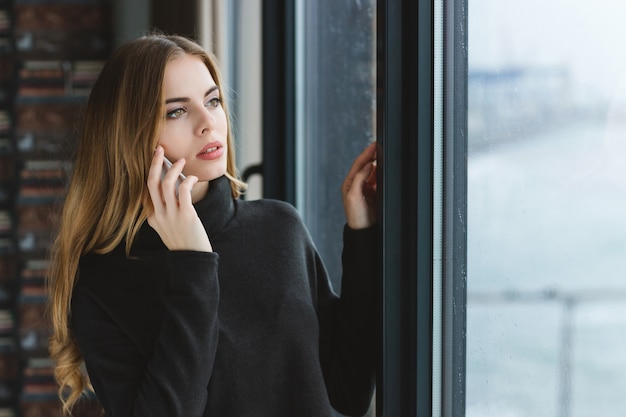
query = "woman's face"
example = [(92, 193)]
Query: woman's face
[(195, 123)]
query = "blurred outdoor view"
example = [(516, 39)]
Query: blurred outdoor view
[(546, 208)]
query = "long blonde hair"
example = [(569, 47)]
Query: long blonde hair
[(107, 200)]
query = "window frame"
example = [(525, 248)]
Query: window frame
[(409, 382), (406, 136), (279, 100), (454, 255), (406, 171)]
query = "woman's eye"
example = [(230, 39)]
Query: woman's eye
[(214, 102), (175, 113)]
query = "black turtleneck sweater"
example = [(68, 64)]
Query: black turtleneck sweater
[(250, 330)]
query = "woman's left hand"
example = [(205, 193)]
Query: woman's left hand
[(359, 190)]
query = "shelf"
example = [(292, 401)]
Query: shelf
[(50, 56)]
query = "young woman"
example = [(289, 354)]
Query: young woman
[(181, 299)]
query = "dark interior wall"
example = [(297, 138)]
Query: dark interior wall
[(174, 17)]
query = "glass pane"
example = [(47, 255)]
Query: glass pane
[(336, 113), (546, 202), (336, 89)]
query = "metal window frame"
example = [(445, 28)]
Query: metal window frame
[(279, 99), (454, 207), (405, 132)]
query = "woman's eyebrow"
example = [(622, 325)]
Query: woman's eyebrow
[(210, 90), (186, 99)]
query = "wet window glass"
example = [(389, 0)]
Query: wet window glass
[(336, 82), (335, 87), (546, 203)]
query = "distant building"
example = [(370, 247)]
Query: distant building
[(511, 103)]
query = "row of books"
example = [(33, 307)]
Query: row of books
[(56, 78), (32, 282), (7, 322), (5, 122), (6, 222), (5, 21), (39, 379), (38, 390), (43, 145), (62, 16), (5, 37), (8, 412), (32, 327), (36, 217), (42, 185), (8, 344), (33, 243), (7, 245), (43, 135), (5, 34), (45, 117), (33, 290)]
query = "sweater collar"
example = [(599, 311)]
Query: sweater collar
[(215, 210)]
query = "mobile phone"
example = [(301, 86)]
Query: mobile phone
[(167, 164)]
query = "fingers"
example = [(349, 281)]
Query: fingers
[(367, 155), (163, 185), (174, 218), (361, 168), (359, 179), (170, 180), (154, 178), (371, 182), (359, 190), (184, 190)]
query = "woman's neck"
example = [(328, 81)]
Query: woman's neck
[(199, 191)]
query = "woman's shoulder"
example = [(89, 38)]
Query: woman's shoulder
[(277, 210), (271, 216)]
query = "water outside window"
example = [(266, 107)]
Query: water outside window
[(546, 325)]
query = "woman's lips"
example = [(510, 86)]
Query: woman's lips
[(211, 151)]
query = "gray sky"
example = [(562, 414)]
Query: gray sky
[(585, 36)]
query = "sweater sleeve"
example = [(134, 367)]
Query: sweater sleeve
[(173, 380), (349, 325)]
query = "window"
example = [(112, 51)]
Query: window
[(503, 136), (335, 96), (336, 89), (546, 202)]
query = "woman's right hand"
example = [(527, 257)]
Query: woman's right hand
[(174, 218)]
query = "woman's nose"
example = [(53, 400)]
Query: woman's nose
[(205, 121)]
